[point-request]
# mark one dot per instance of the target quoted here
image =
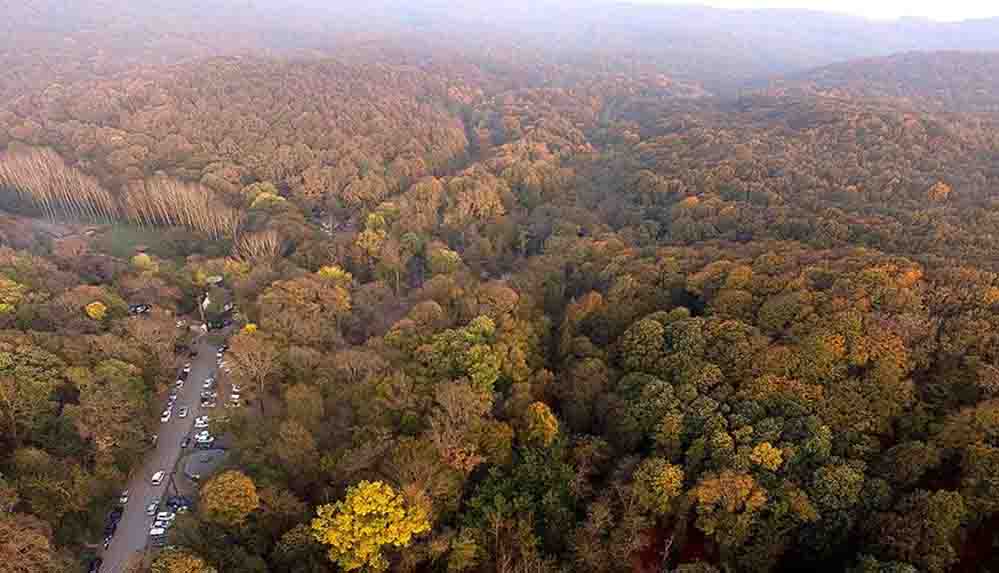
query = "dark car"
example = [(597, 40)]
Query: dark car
[(183, 375), (178, 503), (194, 352), (185, 442), (139, 309), (116, 513), (95, 565)]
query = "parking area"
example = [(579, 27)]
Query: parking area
[(147, 513)]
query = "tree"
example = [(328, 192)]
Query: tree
[(373, 516), (11, 295), (296, 448), (540, 425), (455, 423), (726, 506), (180, 561), (766, 456), (658, 483), (254, 358), (97, 310), (922, 529), (26, 546), (111, 405), (229, 498), (28, 378)]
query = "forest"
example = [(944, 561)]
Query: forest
[(503, 307)]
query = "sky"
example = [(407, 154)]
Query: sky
[(943, 10)]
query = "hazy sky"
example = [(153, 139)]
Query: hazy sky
[(880, 9)]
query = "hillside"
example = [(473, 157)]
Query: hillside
[(934, 81), (544, 287)]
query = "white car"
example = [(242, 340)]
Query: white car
[(182, 413), (157, 478), (165, 416), (236, 388), (165, 516), (201, 422), (209, 383), (151, 508), (123, 499), (157, 532), (208, 438), (179, 384)]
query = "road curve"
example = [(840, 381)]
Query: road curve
[(133, 530)]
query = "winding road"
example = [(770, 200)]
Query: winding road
[(132, 534)]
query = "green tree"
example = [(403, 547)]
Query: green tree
[(922, 529), (28, 378), (112, 401), (372, 517)]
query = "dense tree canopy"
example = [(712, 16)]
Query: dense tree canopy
[(500, 310)]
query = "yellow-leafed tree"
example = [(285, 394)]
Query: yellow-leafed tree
[(541, 426), (97, 310), (179, 561), (371, 517), (229, 498)]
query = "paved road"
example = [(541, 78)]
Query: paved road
[(133, 530)]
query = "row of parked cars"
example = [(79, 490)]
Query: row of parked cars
[(165, 514)]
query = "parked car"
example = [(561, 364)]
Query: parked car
[(179, 383), (165, 416), (152, 507), (123, 498), (135, 309), (165, 516), (116, 513), (157, 478), (179, 503), (95, 565), (182, 413), (209, 383), (156, 532), (201, 422), (185, 443)]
